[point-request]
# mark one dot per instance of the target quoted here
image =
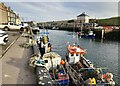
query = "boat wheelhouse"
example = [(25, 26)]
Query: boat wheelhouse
[(51, 59), (74, 53)]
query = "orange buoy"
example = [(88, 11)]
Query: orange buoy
[(62, 62)]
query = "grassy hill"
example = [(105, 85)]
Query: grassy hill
[(102, 22), (109, 21)]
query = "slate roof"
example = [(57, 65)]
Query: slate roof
[(83, 14)]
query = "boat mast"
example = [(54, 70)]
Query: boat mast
[(74, 30), (81, 25)]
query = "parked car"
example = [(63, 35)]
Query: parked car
[(3, 37), (11, 26)]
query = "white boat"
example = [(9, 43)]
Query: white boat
[(49, 70), (90, 34), (55, 28)]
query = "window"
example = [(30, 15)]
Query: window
[(46, 61), (72, 54)]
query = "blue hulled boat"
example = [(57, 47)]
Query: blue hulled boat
[(90, 34)]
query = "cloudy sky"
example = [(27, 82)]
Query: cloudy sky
[(55, 11)]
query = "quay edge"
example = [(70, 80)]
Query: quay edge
[(108, 34)]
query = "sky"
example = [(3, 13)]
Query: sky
[(57, 11)]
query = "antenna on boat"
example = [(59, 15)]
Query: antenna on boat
[(53, 70), (74, 31), (75, 36)]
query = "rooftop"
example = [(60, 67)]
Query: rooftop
[(83, 14)]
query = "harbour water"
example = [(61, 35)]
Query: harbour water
[(101, 53)]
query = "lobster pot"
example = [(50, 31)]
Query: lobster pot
[(64, 82), (63, 79)]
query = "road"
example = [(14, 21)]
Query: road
[(12, 35)]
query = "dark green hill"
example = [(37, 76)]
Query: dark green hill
[(109, 21)]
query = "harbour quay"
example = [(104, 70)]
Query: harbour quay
[(12, 36), (44, 44), (108, 34), (18, 62), (14, 64)]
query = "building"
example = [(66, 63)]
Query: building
[(82, 21), (18, 20), (11, 16), (3, 14), (7, 15), (83, 18)]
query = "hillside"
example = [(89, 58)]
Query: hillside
[(101, 22), (109, 21)]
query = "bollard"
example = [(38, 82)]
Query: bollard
[(103, 31)]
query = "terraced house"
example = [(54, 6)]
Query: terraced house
[(3, 14), (7, 15)]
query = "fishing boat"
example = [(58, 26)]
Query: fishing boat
[(87, 73), (42, 41), (54, 64), (50, 70), (90, 34), (47, 65), (55, 28)]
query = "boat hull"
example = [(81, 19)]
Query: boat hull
[(87, 36)]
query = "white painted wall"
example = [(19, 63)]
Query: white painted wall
[(84, 19)]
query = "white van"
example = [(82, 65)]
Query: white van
[(3, 37)]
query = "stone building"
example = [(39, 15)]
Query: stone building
[(11, 16), (18, 20), (3, 14), (7, 15)]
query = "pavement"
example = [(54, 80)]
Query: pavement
[(12, 36), (14, 68)]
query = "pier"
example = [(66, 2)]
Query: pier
[(109, 34)]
